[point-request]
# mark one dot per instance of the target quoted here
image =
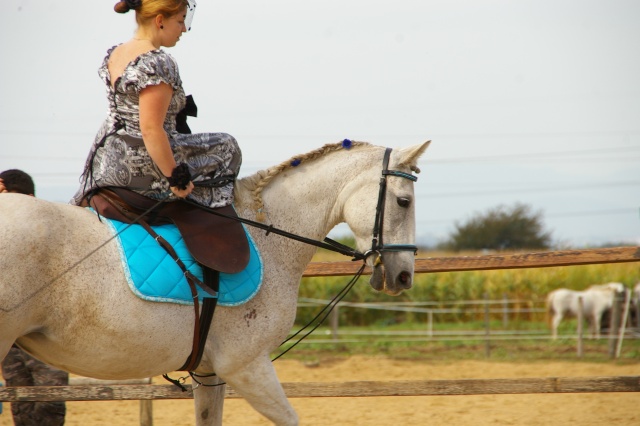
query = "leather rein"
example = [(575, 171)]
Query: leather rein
[(377, 245)]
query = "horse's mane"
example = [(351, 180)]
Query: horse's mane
[(258, 181)]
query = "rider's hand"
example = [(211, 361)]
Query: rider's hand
[(182, 193)]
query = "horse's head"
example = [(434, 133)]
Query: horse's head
[(382, 217), (368, 187)]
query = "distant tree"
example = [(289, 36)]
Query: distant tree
[(501, 228)]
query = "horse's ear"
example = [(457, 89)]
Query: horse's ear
[(409, 156)]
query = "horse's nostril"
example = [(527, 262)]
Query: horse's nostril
[(405, 279)]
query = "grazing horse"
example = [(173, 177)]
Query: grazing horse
[(595, 301), (64, 297)]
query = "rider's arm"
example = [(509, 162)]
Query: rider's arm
[(154, 103)]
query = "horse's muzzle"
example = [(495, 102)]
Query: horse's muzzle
[(385, 282)]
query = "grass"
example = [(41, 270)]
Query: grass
[(461, 348)]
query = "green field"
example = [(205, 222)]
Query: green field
[(406, 334)]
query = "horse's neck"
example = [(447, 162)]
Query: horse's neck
[(305, 200)]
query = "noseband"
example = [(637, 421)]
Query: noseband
[(377, 244)]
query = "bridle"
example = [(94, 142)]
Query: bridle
[(377, 243)]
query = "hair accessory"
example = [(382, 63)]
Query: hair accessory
[(180, 176), (191, 9), (133, 4), (296, 162), (346, 144)]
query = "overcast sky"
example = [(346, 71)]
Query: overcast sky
[(536, 102)]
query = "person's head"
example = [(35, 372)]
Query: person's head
[(162, 19), (15, 180)]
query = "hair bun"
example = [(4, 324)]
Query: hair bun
[(121, 7), (124, 6)]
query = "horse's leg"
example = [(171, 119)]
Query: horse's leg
[(209, 401), (557, 317), (258, 384), (591, 321)]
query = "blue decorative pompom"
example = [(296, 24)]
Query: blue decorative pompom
[(346, 144), (295, 162)]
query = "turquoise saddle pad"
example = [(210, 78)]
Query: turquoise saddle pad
[(153, 275)]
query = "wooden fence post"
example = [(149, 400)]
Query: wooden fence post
[(623, 323), (614, 328), (636, 297), (334, 319), (487, 326), (505, 311), (580, 324), (146, 412)]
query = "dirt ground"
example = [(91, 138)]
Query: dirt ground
[(561, 409)]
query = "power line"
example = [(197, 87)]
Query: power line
[(556, 215), (540, 189), (539, 155)]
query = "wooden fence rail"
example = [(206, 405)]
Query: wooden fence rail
[(488, 262), (339, 389)]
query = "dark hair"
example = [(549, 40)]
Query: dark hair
[(18, 181)]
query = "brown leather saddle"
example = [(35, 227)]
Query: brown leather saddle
[(215, 241)]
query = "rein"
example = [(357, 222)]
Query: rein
[(327, 243), (377, 245), (377, 249)]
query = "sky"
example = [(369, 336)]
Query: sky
[(526, 101)]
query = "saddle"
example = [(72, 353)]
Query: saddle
[(215, 241)]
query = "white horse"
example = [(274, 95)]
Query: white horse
[(613, 286), (78, 313), (595, 301)]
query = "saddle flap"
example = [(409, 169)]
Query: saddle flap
[(214, 241)]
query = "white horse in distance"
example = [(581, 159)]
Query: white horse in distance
[(596, 300)]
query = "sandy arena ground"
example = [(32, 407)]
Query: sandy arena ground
[(619, 409)]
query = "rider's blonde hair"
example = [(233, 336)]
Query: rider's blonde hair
[(147, 10)]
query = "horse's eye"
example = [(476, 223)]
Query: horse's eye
[(404, 202)]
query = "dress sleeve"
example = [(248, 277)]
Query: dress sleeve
[(150, 69)]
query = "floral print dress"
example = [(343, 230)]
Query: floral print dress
[(119, 158)]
